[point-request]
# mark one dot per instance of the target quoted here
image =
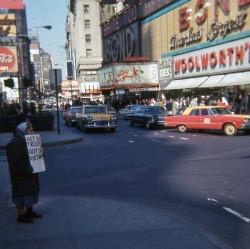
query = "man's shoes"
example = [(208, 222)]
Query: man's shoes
[(24, 219), (33, 215)]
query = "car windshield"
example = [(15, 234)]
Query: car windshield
[(220, 111), (46, 106), (150, 110), (96, 109)]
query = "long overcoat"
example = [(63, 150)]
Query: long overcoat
[(23, 181)]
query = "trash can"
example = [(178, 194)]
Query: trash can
[(5, 186)]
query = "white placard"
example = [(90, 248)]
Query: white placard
[(35, 152)]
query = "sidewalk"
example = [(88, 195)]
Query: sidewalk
[(90, 223), (49, 138), (71, 222)]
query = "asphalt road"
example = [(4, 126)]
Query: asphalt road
[(202, 176)]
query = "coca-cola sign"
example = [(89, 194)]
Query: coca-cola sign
[(8, 61)]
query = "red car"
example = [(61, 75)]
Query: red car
[(70, 115), (209, 118)]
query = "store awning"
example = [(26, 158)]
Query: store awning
[(230, 79), (212, 81), (186, 83)]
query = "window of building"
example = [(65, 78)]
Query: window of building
[(113, 8), (88, 38), (109, 9), (88, 52), (87, 24), (86, 9)]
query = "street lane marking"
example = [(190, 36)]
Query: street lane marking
[(213, 200), (172, 136), (130, 141), (237, 214), (155, 140), (184, 138)]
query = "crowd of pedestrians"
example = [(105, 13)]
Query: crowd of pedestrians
[(172, 105)]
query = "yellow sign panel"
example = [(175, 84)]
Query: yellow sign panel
[(7, 25)]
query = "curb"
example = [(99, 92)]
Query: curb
[(55, 143)]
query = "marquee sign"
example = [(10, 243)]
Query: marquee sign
[(8, 60), (128, 74)]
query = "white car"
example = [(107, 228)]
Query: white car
[(127, 109)]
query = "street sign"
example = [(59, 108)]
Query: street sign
[(55, 76)]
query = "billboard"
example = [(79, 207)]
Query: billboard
[(8, 60), (12, 4), (128, 74), (124, 43)]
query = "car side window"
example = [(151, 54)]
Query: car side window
[(138, 110), (195, 112), (204, 112)]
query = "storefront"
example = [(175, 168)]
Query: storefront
[(206, 45), (128, 81)]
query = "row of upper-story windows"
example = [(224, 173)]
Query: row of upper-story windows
[(105, 9)]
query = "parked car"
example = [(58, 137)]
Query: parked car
[(70, 115), (46, 108), (95, 117), (126, 110), (209, 118), (150, 116)]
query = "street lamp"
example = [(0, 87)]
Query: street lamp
[(45, 27)]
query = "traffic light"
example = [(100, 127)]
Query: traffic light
[(9, 83), (27, 82)]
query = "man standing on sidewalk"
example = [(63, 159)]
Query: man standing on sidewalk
[(20, 117)]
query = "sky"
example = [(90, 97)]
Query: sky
[(49, 12)]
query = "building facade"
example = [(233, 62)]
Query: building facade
[(200, 47), (14, 48), (84, 42)]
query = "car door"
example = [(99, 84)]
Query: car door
[(216, 119), (137, 115), (194, 119), (205, 119)]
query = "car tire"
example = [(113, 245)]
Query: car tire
[(247, 132), (131, 123), (148, 124), (85, 129), (182, 128), (77, 126), (230, 130), (66, 123), (112, 130)]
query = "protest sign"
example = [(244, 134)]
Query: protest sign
[(35, 151)]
